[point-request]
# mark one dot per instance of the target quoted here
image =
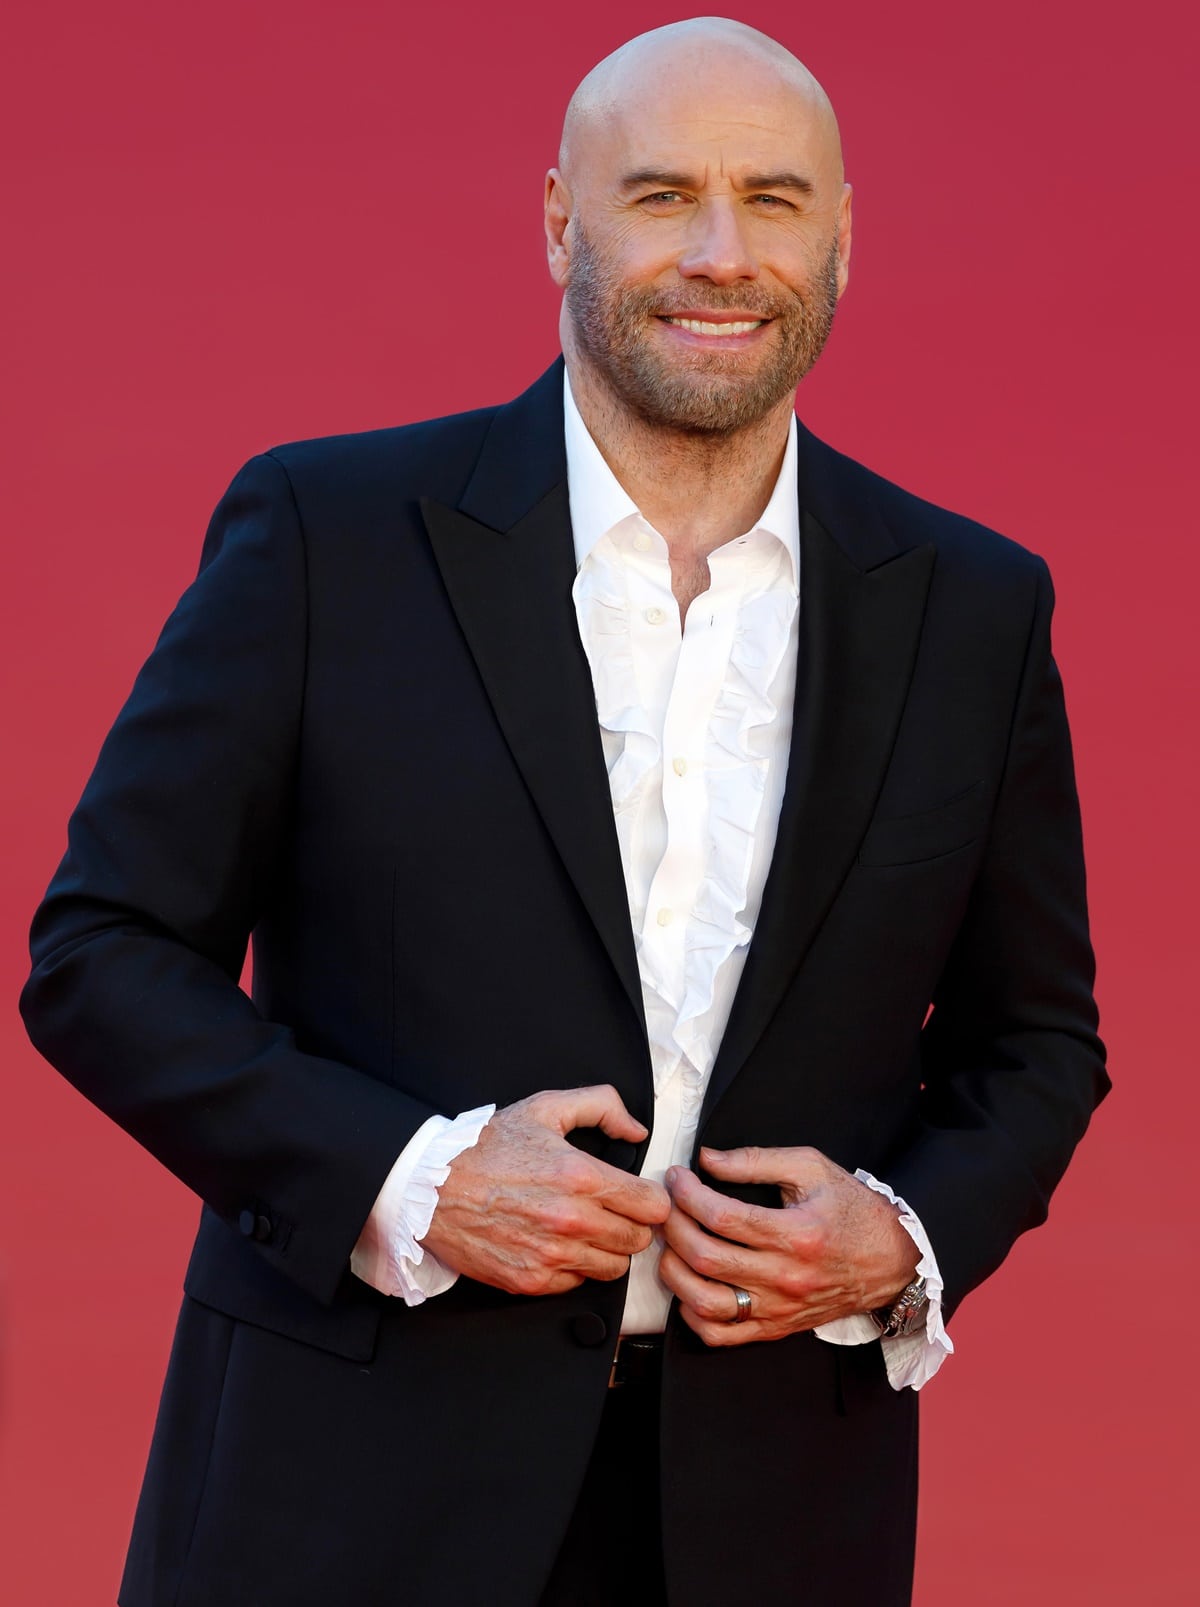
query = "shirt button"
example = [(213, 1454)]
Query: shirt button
[(679, 766), (654, 616), (642, 541), (664, 917)]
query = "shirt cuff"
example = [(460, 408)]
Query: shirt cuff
[(911, 1359), (387, 1255)]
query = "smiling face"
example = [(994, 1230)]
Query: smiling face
[(699, 227)]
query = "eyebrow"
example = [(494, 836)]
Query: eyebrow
[(663, 180)]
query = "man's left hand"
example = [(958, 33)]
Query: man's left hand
[(834, 1248)]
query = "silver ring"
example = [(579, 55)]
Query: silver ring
[(743, 1304)]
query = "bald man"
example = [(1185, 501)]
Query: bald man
[(610, 783)]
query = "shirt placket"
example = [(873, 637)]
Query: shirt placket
[(700, 669)]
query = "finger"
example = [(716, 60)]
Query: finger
[(559, 1283), (578, 1257), (634, 1197), (600, 1264), (610, 1230), (755, 1164), (600, 1106), (715, 1302), (746, 1224), (721, 1335), (711, 1257)]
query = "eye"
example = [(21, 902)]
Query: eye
[(772, 202), (662, 198)]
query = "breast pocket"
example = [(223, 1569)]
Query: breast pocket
[(929, 833)]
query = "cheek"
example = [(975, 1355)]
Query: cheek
[(634, 251), (800, 262)]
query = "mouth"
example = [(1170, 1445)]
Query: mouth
[(716, 326)]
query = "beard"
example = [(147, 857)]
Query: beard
[(708, 393)]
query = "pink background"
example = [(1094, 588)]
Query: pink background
[(230, 225)]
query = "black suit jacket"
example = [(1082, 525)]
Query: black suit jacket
[(368, 737)]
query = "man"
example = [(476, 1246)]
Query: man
[(610, 782)]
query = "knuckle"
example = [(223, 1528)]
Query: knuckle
[(704, 1261), (711, 1308), (646, 1196), (559, 1216), (794, 1284), (814, 1239), (612, 1268), (554, 1256), (575, 1170)]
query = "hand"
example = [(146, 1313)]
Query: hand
[(525, 1211), (835, 1247)]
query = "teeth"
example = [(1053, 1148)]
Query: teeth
[(695, 327)]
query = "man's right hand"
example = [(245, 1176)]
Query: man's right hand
[(526, 1211)]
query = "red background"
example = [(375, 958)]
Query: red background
[(235, 224)]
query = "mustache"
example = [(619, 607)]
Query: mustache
[(749, 304)]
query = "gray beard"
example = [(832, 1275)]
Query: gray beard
[(609, 321)]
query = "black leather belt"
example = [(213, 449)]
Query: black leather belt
[(638, 1361)]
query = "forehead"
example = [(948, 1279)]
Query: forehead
[(718, 119)]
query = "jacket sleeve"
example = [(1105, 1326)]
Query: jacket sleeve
[(1011, 1064), (139, 944)]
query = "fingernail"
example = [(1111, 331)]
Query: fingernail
[(671, 1175)]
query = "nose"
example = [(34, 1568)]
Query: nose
[(717, 246)]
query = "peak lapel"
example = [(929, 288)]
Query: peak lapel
[(861, 608), (507, 559)]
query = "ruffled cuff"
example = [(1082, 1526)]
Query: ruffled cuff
[(911, 1359), (387, 1255)]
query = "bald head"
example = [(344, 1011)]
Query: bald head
[(689, 63), (698, 224)]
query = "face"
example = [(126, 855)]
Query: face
[(702, 244)]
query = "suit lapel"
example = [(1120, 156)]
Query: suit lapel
[(862, 601), (507, 559)]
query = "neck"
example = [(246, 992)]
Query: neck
[(698, 491)]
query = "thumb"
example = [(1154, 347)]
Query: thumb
[(601, 1107), (798, 1168)]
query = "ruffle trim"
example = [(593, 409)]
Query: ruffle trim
[(737, 753), (443, 1140), (911, 1359)]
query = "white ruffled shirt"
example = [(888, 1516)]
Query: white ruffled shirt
[(696, 728)]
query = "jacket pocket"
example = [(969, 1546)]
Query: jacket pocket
[(928, 834), (227, 1275)]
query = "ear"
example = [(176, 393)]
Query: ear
[(558, 215), (844, 231)]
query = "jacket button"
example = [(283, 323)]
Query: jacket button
[(589, 1328), (256, 1226)]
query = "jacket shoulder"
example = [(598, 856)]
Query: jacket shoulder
[(850, 490), (433, 457), (962, 543)]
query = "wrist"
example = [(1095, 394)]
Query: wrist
[(906, 1314)]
